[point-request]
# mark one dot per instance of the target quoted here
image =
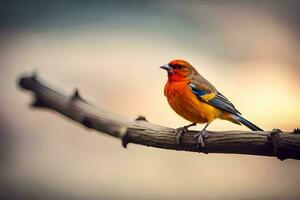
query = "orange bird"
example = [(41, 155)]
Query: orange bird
[(197, 100)]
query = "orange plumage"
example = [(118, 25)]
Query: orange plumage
[(197, 100), (186, 104)]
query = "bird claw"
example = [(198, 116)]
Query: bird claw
[(200, 138), (179, 133)]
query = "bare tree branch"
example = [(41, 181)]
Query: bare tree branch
[(274, 143)]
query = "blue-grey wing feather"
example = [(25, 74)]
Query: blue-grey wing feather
[(219, 101)]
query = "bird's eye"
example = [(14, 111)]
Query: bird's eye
[(179, 67)]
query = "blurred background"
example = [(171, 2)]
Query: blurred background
[(111, 50)]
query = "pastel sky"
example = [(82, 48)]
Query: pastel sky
[(111, 50)]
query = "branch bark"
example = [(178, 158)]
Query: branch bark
[(274, 143)]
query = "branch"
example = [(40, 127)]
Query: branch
[(274, 143)]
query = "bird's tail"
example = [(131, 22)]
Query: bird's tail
[(247, 123)]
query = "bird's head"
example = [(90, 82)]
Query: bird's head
[(179, 70)]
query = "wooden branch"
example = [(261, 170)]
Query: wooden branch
[(274, 143)]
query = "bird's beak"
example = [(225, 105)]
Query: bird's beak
[(166, 67)]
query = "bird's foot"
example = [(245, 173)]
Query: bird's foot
[(180, 132), (200, 138)]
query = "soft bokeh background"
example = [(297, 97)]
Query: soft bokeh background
[(111, 50)]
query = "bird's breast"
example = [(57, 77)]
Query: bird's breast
[(185, 103)]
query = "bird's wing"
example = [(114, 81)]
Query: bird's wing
[(208, 94)]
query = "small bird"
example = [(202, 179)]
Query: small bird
[(197, 100)]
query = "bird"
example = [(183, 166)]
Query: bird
[(195, 99)]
